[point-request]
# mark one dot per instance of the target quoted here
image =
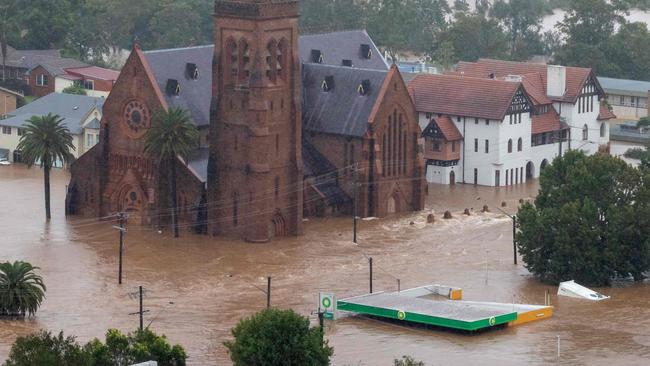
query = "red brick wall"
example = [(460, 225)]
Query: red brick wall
[(40, 91)]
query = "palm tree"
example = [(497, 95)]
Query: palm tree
[(21, 290), (172, 135), (44, 141)]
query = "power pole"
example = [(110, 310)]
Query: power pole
[(514, 235), (355, 204), (141, 310), (268, 292), (370, 263), (140, 294), (121, 218)]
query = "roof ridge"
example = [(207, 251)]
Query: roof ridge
[(177, 49), (345, 67)]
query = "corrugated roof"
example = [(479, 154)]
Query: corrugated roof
[(196, 94), (625, 86), (341, 110), (73, 108), (95, 72), (338, 46), (462, 96)]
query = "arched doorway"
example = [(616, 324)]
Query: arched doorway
[(452, 178), (278, 226), (390, 207), (530, 170), (543, 165), (131, 199)]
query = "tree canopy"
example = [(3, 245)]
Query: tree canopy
[(589, 223)]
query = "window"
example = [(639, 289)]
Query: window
[(475, 145), (602, 130), (20, 131), (41, 80), (520, 144), (497, 178), (475, 176), (277, 187), (6, 130), (487, 122), (436, 146), (509, 145), (510, 118), (89, 140), (458, 119), (487, 146), (475, 121), (585, 133), (622, 99), (89, 84), (427, 115)]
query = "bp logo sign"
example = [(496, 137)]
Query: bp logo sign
[(327, 302), (492, 321), (401, 315)]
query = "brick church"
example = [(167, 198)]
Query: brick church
[(291, 126)]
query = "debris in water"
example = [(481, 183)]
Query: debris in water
[(572, 289), (447, 215)]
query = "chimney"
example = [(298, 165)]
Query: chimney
[(555, 80), (514, 78)]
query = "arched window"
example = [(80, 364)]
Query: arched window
[(520, 144), (277, 187), (509, 145), (244, 61), (235, 209), (585, 133), (232, 60), (282, 58), (271, 60), (602, 129)]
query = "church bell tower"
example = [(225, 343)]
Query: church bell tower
[(255, 170)]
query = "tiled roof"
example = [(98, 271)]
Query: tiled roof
[(462, 96), (483, 68), (57, 66), (535, 89), (605, 113), (196, 94), (338, 46), (341, 110), (547, 122), (95, 73), (447, 127), (72, 108)]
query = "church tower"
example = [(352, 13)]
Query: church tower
[(255, 170)]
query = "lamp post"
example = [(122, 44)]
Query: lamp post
[(514, 233)]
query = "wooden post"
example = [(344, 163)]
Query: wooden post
[(370, 262), (268, 292)]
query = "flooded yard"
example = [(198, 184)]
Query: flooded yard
[(198, 287)]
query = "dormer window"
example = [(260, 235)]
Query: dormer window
[(316, 56), (364, 87), (366, 51), (192, 71), (347, 63), (328, 83), (173, 87)]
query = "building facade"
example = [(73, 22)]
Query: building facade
[(628, 98), (249, 99)]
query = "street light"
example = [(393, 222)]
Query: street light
[(514, 233)]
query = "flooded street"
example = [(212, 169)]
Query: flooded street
[(198, 287)]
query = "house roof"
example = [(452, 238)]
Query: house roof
[(72, 108), (9, 91), (534, 85), (95, 72), (636, 88), (57, 66), (547, 122), (26, 59), (446, 127), (483, 68), (324, 175), (338, 46), (462, 96), (196, 94), (604, 113), (341, 110)]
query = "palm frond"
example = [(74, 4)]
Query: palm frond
[(45, 140), (172, 134)]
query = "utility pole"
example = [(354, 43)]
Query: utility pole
[(268, 292), (370, 262), (141, 312), (355, 204), (140, 294), (514, 241), (121, 218)]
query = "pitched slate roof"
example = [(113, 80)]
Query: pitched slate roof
[(483, 68), (605, 113), (57, 66), (323, 174), (195, 94), (73, 108), (462, 96), (625, 87), (26, 59), (547, 122), (341, 110), (337, 46)]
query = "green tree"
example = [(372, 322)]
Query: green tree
[(76, 89), (140, 346), (172, 135), (179, 24), (332, 15), (45, 23), (45, 349), (21, 290), (627, 53), (46, 140), (8, 24), (590, 221), (275, 337), (522, 20), (474, 36)]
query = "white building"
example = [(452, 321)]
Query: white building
[(81, 115), (499, 123)]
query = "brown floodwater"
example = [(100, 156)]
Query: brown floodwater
[(212, 283)]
